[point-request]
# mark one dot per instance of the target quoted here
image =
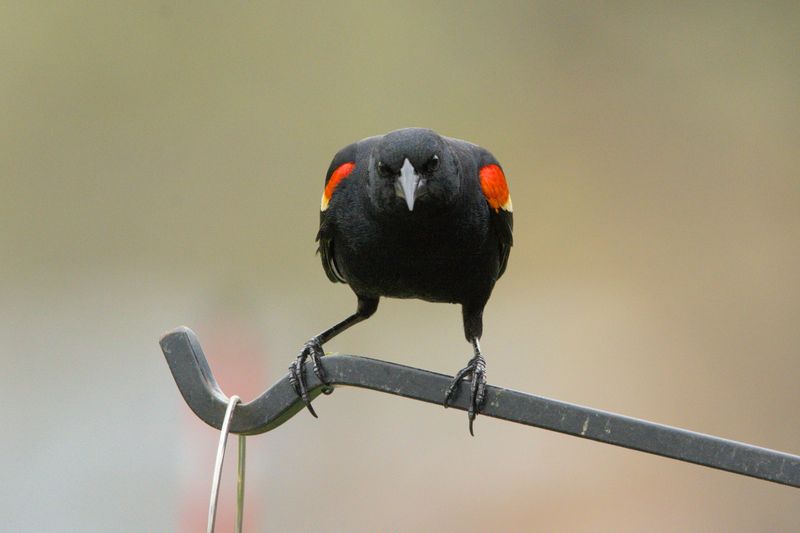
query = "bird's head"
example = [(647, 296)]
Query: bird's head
[(413, 167)]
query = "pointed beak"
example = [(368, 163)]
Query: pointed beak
[(408, 184)]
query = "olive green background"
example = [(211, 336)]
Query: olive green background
[(161, 164)]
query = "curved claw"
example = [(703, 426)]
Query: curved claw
[(451, 389), (476, 371), (297, 379), (477, 394), (313, 350)]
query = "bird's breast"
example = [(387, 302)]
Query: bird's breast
[(443, 263)]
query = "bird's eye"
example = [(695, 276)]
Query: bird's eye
[(384, 170), (432, 164)]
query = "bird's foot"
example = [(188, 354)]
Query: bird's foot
[(475, 371), (311, 350)]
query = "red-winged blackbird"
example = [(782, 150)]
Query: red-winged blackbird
[(412, 214)]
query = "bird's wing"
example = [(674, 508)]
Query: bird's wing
[(504, 225), (342, 165), (495, 189), (325, 249)]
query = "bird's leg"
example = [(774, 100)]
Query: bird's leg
[(313, 349), (476, 372)]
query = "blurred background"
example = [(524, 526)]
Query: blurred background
[(161, 164)]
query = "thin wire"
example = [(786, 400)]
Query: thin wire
[(240, 485), (223, 441)]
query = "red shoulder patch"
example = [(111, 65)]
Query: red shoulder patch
[(495, 188), (338, 175)]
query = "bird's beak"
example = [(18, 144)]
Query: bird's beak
[(408, 184)]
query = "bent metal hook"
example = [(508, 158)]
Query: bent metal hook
[(279, 403)]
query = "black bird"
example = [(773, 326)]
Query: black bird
[(412, 214)]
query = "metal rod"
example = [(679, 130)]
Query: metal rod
[(240, 485), (279, 403), (223, 441)]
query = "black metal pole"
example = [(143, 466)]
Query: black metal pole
[(280, 402)]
